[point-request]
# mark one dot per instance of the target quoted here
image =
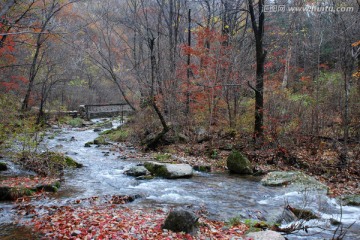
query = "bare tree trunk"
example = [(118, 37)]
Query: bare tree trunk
[(258, 29), (188, 72), (32, 75), (155, 141), (285, 81), (36, 62)]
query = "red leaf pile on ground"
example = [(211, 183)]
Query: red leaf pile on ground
[(117, 222), (27, 182)]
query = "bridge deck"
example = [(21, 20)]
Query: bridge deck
[(104, 110)]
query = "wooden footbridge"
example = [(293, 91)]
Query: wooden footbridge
[(104, 110)]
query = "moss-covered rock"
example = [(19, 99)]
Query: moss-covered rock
[(170, 171), (12, 188), (13, 193), (49, 187), (238, 163), (64, 161), (72, 163), (351, 200), (3, 166), (292, 178), (101, 140), (88, 144), (120, 134)]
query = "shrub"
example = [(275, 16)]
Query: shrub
[(75, 122), (162, 156)]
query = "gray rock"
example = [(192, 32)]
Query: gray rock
[(287, 216), (265, 235), (202, 135), (351, 200), (75, 233), (297, 180), (238, 163), (170, 171), (137, 171), (183, 138), (88, 123), (150, 137), (180, 220)]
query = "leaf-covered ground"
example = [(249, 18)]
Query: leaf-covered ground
[(112, 221), (27, 182)]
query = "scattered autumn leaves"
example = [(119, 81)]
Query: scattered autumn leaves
[(27, 182), (106, 218)]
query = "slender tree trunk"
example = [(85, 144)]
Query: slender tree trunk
[(285, 81), (188, 72), (258, 29), (32, 75), (154, 142)]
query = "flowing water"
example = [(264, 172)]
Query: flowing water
[(224, 196)]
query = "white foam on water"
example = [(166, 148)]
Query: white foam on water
[(174, 198)]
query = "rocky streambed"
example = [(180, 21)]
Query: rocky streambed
[(223, 196)]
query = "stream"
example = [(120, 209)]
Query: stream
[(224, 196)]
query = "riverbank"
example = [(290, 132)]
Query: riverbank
[(316, 157), (228, 201)]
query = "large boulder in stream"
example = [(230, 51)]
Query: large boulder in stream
[(168, 170), (351, 199), (181, 220), (265, 235), (294, 179), (238, 163)]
